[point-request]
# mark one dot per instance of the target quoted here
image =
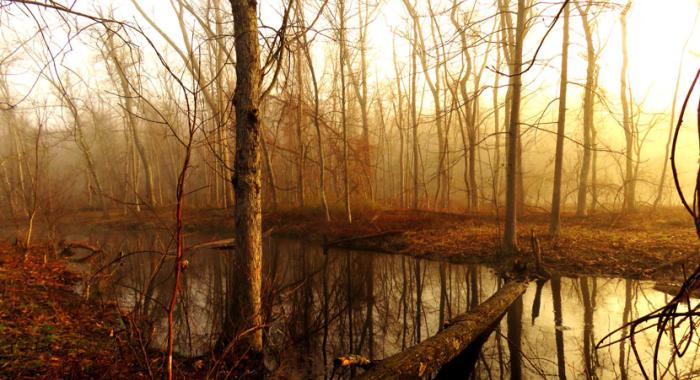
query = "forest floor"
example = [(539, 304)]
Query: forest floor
[(643, 245), (48, 331)]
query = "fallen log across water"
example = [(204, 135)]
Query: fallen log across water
[(229, 243), (344, 242), (430, 355)]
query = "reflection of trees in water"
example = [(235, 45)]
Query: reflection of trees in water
[(515, 336), (588, 295), (558, 325), (625, 331), (318, 306)]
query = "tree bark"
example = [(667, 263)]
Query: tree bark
[(588, 99), (627, 123), (343, 116), (510, 236), (555, 220), (246, 294), (428, 356)]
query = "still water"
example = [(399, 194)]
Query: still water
[(319, 306)]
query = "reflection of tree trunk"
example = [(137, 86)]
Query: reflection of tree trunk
[(443, 296), (419, 302), (499, 345), (537, 301), (558, 326), (515, 332), (626, 313), (368, 328), (326, 310), (404, 303), (349, 291), (306, 301), (473, 286), (587, 328)]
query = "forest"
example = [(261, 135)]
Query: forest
[(333, 189)]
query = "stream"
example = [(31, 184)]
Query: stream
[(321, 306)]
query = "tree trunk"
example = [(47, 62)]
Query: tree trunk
[(245, 295), (510, 236), (343, 116), (555, 221), (588, 99), (558, 325), (629, 180), (317, 122), (428, 356), (129, 112)]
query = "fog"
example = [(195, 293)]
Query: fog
[(82, 68), (521, 120)]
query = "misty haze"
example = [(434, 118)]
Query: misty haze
[(335, 189)]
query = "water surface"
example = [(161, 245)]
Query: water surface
[(320, 306)]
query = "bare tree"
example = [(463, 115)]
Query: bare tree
[(628, 124), (555, 221), (244, 311), (588, 100), (510, 234)]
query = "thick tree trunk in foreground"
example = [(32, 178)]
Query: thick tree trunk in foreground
[(428, 356), (244, 309)]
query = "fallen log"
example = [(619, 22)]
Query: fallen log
[(229, 243), (67, 249), (216, 244), (429, 356), (341, 242), (352, 360)]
